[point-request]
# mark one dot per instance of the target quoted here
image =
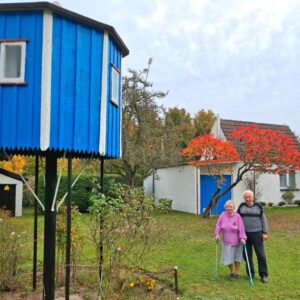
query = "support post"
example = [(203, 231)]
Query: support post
[(101, 254), (102, 175), (176, 280), (50, 227), (69, 224), (35, 223)]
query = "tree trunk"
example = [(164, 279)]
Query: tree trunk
[(214, 199)]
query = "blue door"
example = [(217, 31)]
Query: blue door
[(207, 188)]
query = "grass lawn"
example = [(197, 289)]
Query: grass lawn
[(191, 247)]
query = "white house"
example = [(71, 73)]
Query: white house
[(190, 187), (11, 192)]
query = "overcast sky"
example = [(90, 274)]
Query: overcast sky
[(240, 58)]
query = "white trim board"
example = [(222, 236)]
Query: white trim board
[(102, 139), (46, 80)]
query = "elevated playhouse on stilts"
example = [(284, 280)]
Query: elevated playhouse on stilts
[(60, 96)]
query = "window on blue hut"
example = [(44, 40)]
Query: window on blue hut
[(115, 85), (12, 61)]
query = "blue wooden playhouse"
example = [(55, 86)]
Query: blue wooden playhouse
[(60, 81), (60, 94)]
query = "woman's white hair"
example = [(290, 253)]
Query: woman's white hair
[(248, 192), (229, 201)]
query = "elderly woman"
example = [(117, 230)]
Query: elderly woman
[(230, 227), (256, 227)]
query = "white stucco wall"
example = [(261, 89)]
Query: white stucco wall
[(267, 184), (216, 129), (148, 185), (175, 183), (182, 185), (19, 191)]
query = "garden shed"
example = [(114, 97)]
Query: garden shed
[(11, 192), (190, 188)]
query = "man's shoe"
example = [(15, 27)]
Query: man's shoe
[(264, 279)]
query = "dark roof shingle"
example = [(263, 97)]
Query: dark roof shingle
[(228, 126)]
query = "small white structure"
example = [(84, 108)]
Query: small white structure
[(11, 192), (190, 188)]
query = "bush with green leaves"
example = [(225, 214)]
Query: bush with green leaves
[(61, 240), (82, 190), (281, 203), (12, 251), (263, 204), (297, 202), (164, 205), (288, 196), (123, 232)]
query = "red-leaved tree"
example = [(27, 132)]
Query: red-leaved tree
[(257, 149)]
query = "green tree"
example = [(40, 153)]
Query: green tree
[(203, 121), (141, 126)]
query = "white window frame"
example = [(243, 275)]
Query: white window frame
[(115, 98), (287, 180), (12, 80)]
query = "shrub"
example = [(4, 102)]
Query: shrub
[(82, 190), (123, 232), (281, 203), (263, 204), (270, 204), (288, 196), (164, 205), (12, 251), (297, 202)]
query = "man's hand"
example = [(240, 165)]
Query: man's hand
[(265, 236)]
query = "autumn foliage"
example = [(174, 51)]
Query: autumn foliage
[(266, 149), (256, 149), (207, 149), (16, 164), (263, 149)]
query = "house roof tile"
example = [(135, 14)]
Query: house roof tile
[(228, 126)]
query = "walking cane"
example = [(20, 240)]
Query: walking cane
[(216, 269), (247, 260)]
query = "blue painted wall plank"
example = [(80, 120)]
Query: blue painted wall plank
[(95, 88), (82, 110), (55, 81), (67, 85), (113, 111)]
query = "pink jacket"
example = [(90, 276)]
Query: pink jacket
[(232, 229)]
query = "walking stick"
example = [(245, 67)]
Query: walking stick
[(216, 269), (247, 260)]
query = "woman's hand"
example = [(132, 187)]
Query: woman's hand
[(243, 241), (217, 238)]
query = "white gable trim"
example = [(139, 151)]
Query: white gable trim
[(46, 81), (102, 139)]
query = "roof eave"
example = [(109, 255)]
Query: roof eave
[(70, 14)]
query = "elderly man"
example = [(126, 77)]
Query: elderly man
[(256, 228)]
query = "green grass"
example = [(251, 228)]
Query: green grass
[(190, 246)]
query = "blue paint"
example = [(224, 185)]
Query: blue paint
[(207, 188), (76, 81), (113, 111), (20, 105), (76, 86)]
